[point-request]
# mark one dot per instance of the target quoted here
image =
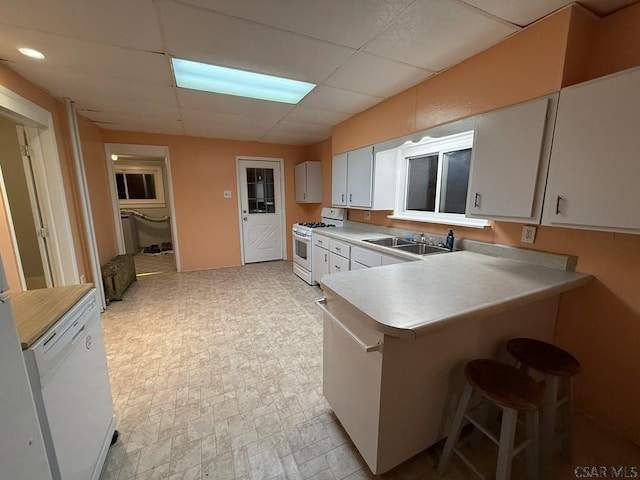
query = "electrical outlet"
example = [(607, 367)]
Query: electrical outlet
[(528, 234), (227, 194), (367, 215)]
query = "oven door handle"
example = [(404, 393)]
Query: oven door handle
[(300, 237)]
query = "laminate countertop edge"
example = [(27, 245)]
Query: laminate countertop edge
[(36, 311)]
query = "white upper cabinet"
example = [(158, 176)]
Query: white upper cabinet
[(362, 180), (308, 182), (511, 150), (339, 180), (594, 169)]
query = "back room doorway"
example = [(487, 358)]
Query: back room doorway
[(22, 207), (142, 195)]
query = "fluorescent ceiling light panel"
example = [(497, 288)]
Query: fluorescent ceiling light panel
[(229, 81)]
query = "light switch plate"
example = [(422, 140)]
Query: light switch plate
[(367, 215), (528, 234), (227, 194)]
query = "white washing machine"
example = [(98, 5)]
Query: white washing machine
[(67, 370)]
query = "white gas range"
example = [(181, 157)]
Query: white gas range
[(303, 241)]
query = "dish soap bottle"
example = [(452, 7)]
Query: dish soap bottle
[(449, 240)]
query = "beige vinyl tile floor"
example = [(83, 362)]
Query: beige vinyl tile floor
[(218, 375)]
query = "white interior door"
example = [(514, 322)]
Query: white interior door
[(261, 210)]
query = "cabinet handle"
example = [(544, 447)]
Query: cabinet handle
[(558, 199), (377, 347), (350, 197), (320, 242), (337, 267), (337, 249), (476, 201), (304, 195), (343, 198), (325, 258)]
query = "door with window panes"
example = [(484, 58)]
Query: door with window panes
[(261, 210)]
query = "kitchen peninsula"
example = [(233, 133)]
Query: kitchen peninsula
[(396, 339)]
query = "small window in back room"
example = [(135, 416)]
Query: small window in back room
[(140, 186), (434, 180)]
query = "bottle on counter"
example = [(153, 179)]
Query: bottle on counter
[(448, 243)]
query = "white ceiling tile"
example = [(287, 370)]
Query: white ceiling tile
[(337, 100), (125, 23), (377, 76), (292, 138), (131, 118), (64, 83), (150, 126), (435, 34), (193, 99), (316, 116), (351, 23), (109, 105), (520, 12), (196, 34), (226, 125), (302, 128), (85, 57)]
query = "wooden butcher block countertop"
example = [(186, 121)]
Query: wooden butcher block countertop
[(35, 311)]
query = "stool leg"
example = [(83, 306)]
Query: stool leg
[(548, 422), (507, 437), (567, 443), (532, 451), (454, 430)]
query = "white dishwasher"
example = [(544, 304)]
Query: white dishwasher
[(67, 370)]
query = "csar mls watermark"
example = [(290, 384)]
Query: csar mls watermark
[(603, 471)]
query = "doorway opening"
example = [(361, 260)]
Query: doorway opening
[(35, 232), (261, 200), (140, 180)]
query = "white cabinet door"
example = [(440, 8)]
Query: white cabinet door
[(339, 180), (308, 176), (360, 177), (594, 168), (320, 261), (508, 162)]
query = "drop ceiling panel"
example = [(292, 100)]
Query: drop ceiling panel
[(85, 57), (302, 128), (150, 126), (214, 124), (292, 138), (193, 99), (377, 76), (337, 100), (436, 34), (126, 23), (63, 83), (351, 23), (219, 39), (109, 105), (316, 116)]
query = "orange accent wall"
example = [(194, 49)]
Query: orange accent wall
[(201, 168), (99, 192), (599, 323), (14, 82)]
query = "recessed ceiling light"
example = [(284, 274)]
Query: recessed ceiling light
[(114, 157), (30, 52), (229, 81)]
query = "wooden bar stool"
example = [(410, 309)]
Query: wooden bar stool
[(558, 367), (511, 390)]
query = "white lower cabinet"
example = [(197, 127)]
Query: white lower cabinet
[(338, 263), (366, 258), (320, 257)]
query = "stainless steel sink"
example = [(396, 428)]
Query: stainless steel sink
[(390, 241), (422, 248)]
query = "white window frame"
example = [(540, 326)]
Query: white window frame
[(158, 180), (430, 146)]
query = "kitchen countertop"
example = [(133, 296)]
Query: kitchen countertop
[(409, 299), (35, 311)]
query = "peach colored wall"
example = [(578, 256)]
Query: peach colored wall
[(17, 84), (599, 323), (99, 192), (201, 168)]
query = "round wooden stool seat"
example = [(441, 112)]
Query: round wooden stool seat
[(504, 385), (543, 357)]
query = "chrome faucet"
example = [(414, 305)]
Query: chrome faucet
[(422, 238)]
